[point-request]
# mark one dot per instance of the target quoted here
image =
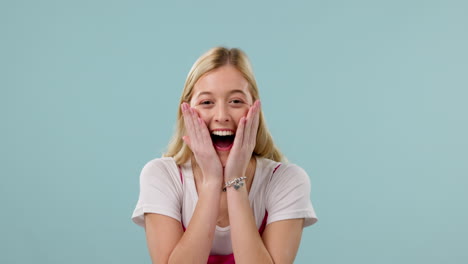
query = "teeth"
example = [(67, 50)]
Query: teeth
[(222, 133)]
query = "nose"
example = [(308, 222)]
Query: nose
[(222, 114)]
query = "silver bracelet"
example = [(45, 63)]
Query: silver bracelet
[(237, 182)]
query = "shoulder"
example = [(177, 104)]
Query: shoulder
[(165, 163), (160, 168), (292, 170), (287, 195), (280, 172), (160, 190)]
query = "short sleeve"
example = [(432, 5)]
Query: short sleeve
[(160, 191), (288, 195)]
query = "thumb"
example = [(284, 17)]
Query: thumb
[(186, 139)]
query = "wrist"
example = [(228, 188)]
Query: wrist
[(232, 175), (235, 183), (210, 184)]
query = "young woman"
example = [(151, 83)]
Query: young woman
[(222, 193)]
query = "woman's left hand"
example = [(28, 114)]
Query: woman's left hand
[(244, 144)]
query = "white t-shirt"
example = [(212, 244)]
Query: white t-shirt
[(284, 194)]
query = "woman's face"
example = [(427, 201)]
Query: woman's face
[(222, 97)]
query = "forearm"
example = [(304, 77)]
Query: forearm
[(195, 244), (247, 244)]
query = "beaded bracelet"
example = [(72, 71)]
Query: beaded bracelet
[(237, 182)]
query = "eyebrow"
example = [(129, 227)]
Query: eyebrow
[(231, 92)]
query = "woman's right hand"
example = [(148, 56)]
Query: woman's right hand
[(199, 141)]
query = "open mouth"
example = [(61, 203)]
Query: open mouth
[(222, 139)]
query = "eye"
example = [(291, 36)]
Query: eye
[(206, 102), (237, 101)]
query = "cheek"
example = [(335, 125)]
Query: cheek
[(204, 115), (241, 113)]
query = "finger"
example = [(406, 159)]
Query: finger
[(255, 122), (189, 124), (197, 124), (198, 129), (186, 139), (204, 132), (239, 139), (248, 125), (186, 116)]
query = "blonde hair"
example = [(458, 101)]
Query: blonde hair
[(211, 60)]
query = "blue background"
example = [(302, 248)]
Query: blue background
[(369, 97)]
